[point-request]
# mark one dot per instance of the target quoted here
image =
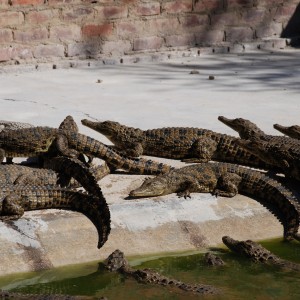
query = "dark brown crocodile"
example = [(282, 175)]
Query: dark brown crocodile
[(247, 130), (37, 141), (227, 180), (213, 260), (291, 131), (188, 144), (16, 199), (20, 296), (58, 170), (258, 253), (116, 261)]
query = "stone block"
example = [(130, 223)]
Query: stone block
[(210, 37), (116, 47), (112, 12), (148, 43), (272, 29), (177, 6), (77, 13), (26, 2), (11, 18), (65, 33), (42, 16), (31, 35), (95, 30), (42, 51), (208, 6), (5, 36), (238, 34), (180, 40), (146, 9)]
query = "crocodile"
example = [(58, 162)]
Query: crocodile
[(284, 158), (47, 141), (291, 131), (21, 296), (247, 130), (213, 260), (185, 143), (58, 170), (227, 180), (116, 261), (16, 199), (258, 253), (11, 125)]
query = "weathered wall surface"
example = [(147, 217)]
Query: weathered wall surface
[(43, 29)]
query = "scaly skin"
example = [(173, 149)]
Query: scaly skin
[(15, 199), (188, 144), (11, 125), (227, 180), (249, 131), (258, 253), (20, 296), (57, 170), (291, 131), (283, 157), (44, 140), (213, 260), (116, 261)]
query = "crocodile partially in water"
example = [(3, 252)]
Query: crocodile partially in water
[(116, 261), (227, 180), (187, 144), (258, 253)]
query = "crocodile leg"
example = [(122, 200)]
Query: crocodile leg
[(227, 185), (202, 150), (11, 207), (62, 146)]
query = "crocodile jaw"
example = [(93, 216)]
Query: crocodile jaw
[(292, 131), (150, 188)]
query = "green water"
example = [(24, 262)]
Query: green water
[(239, 279)]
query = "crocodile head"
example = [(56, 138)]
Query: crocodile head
[(151, 187), (291, 131), (245, 128), (108, 128), (249, 249), (116, 261)]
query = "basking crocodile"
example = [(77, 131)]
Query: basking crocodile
[(188, 144), (291, 131), (116, 261), (258, 253), (58, 170), (248, 131), (44, 140), (283, 157), (16, 199), (11, 125), (227, 180)]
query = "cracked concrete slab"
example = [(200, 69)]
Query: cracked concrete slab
[(263, 87)]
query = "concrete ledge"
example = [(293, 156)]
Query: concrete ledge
[(52, 238)]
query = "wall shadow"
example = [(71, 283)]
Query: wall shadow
[(292, 30)]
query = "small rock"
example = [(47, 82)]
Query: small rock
[(211, 77), (99, 81), (194, 72)]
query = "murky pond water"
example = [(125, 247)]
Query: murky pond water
[(239, 279)]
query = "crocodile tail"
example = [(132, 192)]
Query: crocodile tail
[(269, 192), (72, 167), (95, 208), (92, 147)]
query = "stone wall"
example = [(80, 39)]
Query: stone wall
[(43, 29)]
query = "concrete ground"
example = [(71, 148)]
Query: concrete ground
[(263, 87)]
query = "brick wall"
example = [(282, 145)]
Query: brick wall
[(44, 29)]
